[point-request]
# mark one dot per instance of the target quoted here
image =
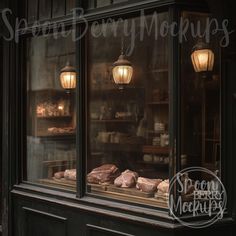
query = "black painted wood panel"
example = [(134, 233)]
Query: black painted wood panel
[(119, 1), (70, 4), (93, 230), (58, 8), (48, 9), (38, 223), (103, 3), (45, 9), (32, 10), (47, 214)]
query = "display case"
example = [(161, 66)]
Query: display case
[(95, 128), (145, 122), (201, 105), (136, 107), (128, 122)]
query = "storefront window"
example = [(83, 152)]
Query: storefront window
[(51, 112), (200, 101), (131, 150), (128, 119)]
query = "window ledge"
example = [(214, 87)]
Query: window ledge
[(141, 215), (123, 211)]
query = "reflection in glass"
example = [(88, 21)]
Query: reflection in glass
[(200, 103), (51, 120), (128, 125)]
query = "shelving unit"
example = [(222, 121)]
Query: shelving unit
[(57, 118), (157, 108), (107, 96), (158, 103), (52, 131), (62, 136), (163, 70), (53, 117), (140, 98), (113, 121)]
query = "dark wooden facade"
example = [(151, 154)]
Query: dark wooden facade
[(29, 210)]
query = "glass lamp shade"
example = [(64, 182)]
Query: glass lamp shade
[(122, 71), (202, 58), (68, 77)]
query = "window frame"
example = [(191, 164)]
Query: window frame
[(84, 145), (81, 94)]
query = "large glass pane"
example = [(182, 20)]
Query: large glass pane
[(128, 115), (51, 113), (198, 184), (200, 102)]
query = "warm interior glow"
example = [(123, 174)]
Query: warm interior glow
[(203, 60), (68, 80), (60, 107), (122, 74)]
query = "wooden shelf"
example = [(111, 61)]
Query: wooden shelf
[(154, 163), (158, 103), (163, 70), (113, 121), (117, 147), (53, 117), (129, 191), (212, 140), (51, 91), (58, 162), (156, 150), (68, 184), (128, 93), (115, 90), (127, 195), (64, 136), (157, 132)]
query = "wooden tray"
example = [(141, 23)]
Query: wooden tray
[(131, 195), (129, 191), (137, 199), (96, 187), (164, 197), (63, 183)]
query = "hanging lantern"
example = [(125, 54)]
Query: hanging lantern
[(68, 77), (122, 71), (202, 58)]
